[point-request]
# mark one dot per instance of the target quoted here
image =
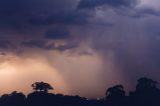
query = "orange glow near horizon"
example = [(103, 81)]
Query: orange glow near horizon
[(18, 74), (68, 74)]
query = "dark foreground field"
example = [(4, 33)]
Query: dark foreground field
[(146, 94)]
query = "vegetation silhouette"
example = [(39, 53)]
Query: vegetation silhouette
[(146, 94), (41, 87)]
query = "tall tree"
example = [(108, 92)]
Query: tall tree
[(41, 87), (146, 84), (115, 92)]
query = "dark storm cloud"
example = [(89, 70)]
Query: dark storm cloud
[(148, 11), (62, 48), (7, 45), (58, 33), (40, 23), (35, 19), (34, 43), (4, 44), (43, 44), (142, 12), (20, 13), (97, 3), (122, 7), (63, 18)]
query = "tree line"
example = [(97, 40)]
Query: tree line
[(146, 94)]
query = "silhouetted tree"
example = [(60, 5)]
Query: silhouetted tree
[(115, 92), (146, 84), (146, 93), (13, 99), (115, 95), (41, 87)]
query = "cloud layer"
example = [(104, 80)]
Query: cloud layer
[(120, 36)]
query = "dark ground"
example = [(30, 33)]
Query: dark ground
[(146, 94)]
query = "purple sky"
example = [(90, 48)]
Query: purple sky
[(79, 46)]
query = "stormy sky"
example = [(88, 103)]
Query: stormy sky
[(81, 47)]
